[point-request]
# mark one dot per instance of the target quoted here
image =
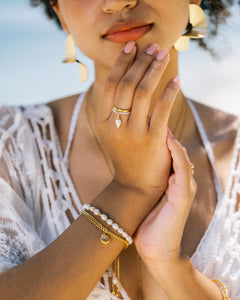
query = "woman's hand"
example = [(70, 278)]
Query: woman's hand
[(138, 148), (158, 238)]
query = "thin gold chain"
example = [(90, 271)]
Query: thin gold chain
[(96, 138), (103, 228)]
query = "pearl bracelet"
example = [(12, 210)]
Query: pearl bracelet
[(110, 222)]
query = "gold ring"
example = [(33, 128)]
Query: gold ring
[(192, 167), (120, 111)]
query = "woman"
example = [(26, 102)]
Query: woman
[(112, 148)]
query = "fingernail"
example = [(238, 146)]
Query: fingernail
[(176, 79), (162, 54), (129, 47), (152, 49)]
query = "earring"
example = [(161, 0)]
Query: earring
[(70, 57), (197, 27)]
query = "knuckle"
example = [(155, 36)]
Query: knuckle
[(156, 66), (124, 84), (165, 103), (141, 91), (145, 59), (110, 82), (123, 59), (167, 94)]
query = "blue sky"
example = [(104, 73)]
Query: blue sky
[(32, 48)]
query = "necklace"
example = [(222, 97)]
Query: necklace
[(115, 267)]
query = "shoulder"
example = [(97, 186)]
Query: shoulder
[(16, 124), (215, 121), (221, 129), (62, 110), (65, 104), (11, 115)]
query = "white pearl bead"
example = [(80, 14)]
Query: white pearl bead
[(129, 239), (103, 217), (92, 208), (124, 234), (120, 230), (96, 212), (115, 226), (115, 281), (110, 222)]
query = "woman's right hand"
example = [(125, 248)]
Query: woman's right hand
[(138, 148)]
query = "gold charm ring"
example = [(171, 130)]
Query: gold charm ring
[(120, 111)]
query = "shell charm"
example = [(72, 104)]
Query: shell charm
[(104, 239)]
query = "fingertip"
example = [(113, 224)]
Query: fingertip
[(170, 133), (176, 80), (170, 137), (130, 47)]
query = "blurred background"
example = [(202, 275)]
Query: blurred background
[(32, 48)]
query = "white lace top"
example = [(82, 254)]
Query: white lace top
[(36, 192)]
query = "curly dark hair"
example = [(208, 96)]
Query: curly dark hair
[(215, 8)]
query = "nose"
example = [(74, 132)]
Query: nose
[(110, 6)]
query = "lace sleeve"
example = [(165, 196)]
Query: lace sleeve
[(19, 203)]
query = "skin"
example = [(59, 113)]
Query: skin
[(141, 166), (95, 18)]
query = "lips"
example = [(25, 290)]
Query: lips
[(127, 31)]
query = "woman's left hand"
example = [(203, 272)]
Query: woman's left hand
[(158, 238)]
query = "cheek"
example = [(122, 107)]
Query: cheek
[(175, 17), (81, 18)]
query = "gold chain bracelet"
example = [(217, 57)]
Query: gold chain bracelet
[(224, 288), (104, 238)]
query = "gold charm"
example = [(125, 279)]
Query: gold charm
[(70, 57), (118, 121), (104, 239)]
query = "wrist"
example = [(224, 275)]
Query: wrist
[(151, 194), (181, 280), (171, 269), (125, 204)]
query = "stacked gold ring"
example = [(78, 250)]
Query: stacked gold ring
[(120, 111)]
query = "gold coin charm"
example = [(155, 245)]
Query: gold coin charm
[(104, 239)]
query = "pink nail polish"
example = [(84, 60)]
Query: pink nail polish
[(152, 49), (129, 47), (162, 54), (176, 79)]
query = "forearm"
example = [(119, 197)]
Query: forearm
[(181, 280), (71, 266)]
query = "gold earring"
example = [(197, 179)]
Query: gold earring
[(197, 27), (70, 57)]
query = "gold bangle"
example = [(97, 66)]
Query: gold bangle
[(104, 237), (224, 287)]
